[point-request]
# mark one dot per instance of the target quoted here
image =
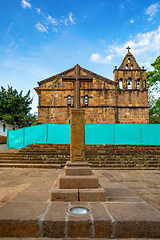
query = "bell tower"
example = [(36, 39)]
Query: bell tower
[(129, 76), (131, 92)]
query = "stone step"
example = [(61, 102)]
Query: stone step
[(25, 165), (94, 166), (95, 160), (33, 161), (11, 155), (63, 161), (101, 156), (42, 158), (93, 147), (122, 153), (33, 154), (92, 152)]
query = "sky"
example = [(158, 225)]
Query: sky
[(41, 38)]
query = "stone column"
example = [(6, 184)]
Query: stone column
[(77, 138)]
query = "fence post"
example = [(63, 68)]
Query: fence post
[(140, 134), (23, 136), (113, 132), (47, 133), (7, 138)]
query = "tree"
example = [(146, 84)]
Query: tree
[(153, 84), (15, 108)]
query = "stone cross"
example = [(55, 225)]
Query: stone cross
[(77, 79), (128, 48)]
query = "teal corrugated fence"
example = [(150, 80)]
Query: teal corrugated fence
[(96, 134)]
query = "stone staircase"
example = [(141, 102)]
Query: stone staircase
[(100, 156)]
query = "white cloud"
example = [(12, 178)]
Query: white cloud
[(95, 57), (52, 20), (41, 27), (71, 19), (132, 21), (64, 20), (10, 27), (54, 29), (25, 4), (38, 10), (151, 10), (122, 6), (145, 46)]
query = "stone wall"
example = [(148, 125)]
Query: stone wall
[(104, 106), (106, 103)]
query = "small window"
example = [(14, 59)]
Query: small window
[(138, 84), (129, 83), (69, 100), (127, 66), (4, 127), (131, 67), (129, 60), (120, 84), (86, 100)]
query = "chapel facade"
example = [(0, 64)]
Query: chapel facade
[(124, 100)]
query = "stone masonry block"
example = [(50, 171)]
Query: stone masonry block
[(77, 164), (64, 195), (68, 182), (92, 195), (74, 171)]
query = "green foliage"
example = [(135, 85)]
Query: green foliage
[(153, 84), (154, 112), (56, 80), (153, 77), (118, 90), (14, 107)]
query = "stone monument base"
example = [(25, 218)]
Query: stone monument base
[(77, 183)]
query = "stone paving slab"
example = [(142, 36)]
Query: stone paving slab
[(33, 219), (6, 238), (24, 216), (28, 213)]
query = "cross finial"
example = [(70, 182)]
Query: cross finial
[(128, 48)]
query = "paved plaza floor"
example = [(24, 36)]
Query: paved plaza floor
[(19, 186), (13, 181)]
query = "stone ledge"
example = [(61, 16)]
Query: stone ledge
[(77, 164), (92, 195), (69, 182), (77, 171), (64, 195), (78, 195)]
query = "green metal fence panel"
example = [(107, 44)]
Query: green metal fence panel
[(127, 134), (99, 133), (35, 134), (15, 138), (150, 134), (58, 133)]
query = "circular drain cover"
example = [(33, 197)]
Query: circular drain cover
[(79, 210)]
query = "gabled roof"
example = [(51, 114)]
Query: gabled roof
[(8, 124), (89, 73), (132, 62)]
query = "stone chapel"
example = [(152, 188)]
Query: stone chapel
[(124, 100)]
